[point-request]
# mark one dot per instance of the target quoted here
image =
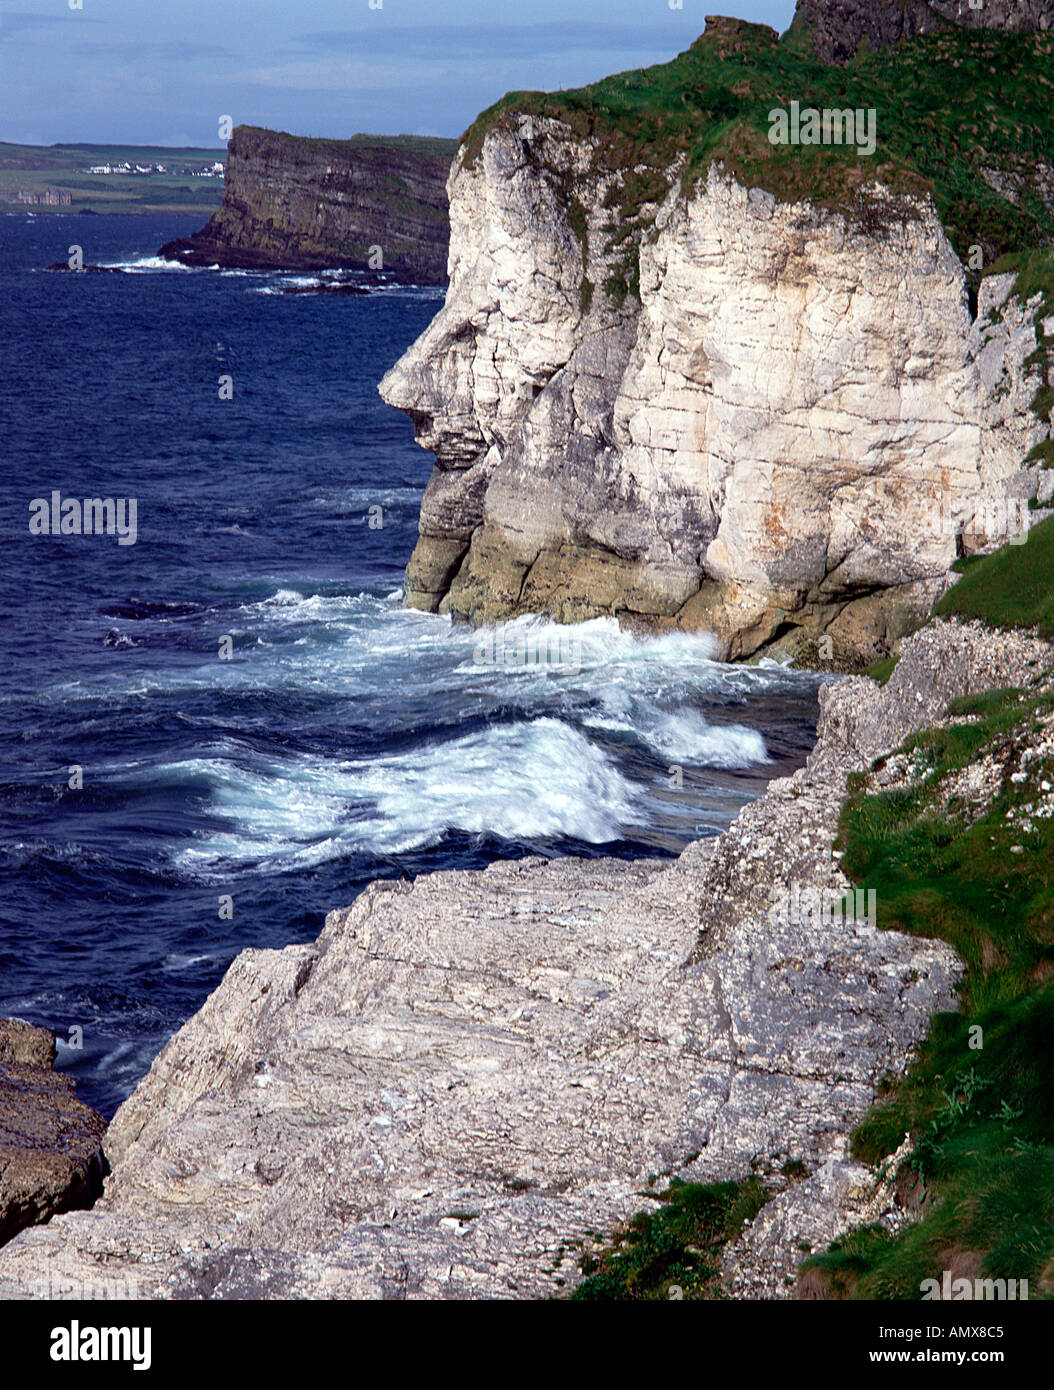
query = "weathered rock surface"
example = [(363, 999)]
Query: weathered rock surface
[(293, 203), (50, 1143), (467, 1073), (791, 433), (839, 27)]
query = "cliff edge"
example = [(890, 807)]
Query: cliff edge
[(292, 203)]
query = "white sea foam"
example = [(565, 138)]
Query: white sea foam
[(522, 781), (685, 736), (145, 264), (359, 499), (524, 752)]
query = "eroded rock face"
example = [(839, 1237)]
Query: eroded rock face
[(467, 1073), (793, 430), (840, 26), (298, 204), (50, 1143)]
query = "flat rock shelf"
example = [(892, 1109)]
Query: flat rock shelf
[(469, 1072)]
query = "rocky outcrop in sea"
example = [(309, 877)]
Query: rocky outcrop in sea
[(50, 1142)]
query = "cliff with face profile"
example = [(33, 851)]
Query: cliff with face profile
[(689, 377), (292, 203)]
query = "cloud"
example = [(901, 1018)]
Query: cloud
[(14, 22), (332, 75), (489, 40)]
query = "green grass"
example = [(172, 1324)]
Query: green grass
[(948, 106), (978, 1100), (38, 167), (881, 670), (1013, 587), (679, 1244)]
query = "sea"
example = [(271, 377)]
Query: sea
[(214, 735)]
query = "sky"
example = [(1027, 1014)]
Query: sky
[(165, 72)]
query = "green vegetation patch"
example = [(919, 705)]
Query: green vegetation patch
[(678, 1245), (950, 108), (1013, 587), (881, 670), (978, 1100)]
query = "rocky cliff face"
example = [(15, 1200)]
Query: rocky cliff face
[(787, 429), (839, 27), (50, 1143), (295, 203), (466, 1074)]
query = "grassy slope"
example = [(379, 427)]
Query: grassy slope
[(1014, 587), (978, 1100), (947, 106), (982, 1119)]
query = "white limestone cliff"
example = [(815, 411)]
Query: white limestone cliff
[(791, 432)]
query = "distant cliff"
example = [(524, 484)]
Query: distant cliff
[(293, 203)]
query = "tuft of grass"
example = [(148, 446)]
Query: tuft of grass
[(678, 1244), (1012, 587), (881, 670)]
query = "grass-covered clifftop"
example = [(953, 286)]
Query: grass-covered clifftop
[(279, 144), (957, 112)]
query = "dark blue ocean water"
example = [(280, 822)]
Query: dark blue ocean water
[(346, 738)]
